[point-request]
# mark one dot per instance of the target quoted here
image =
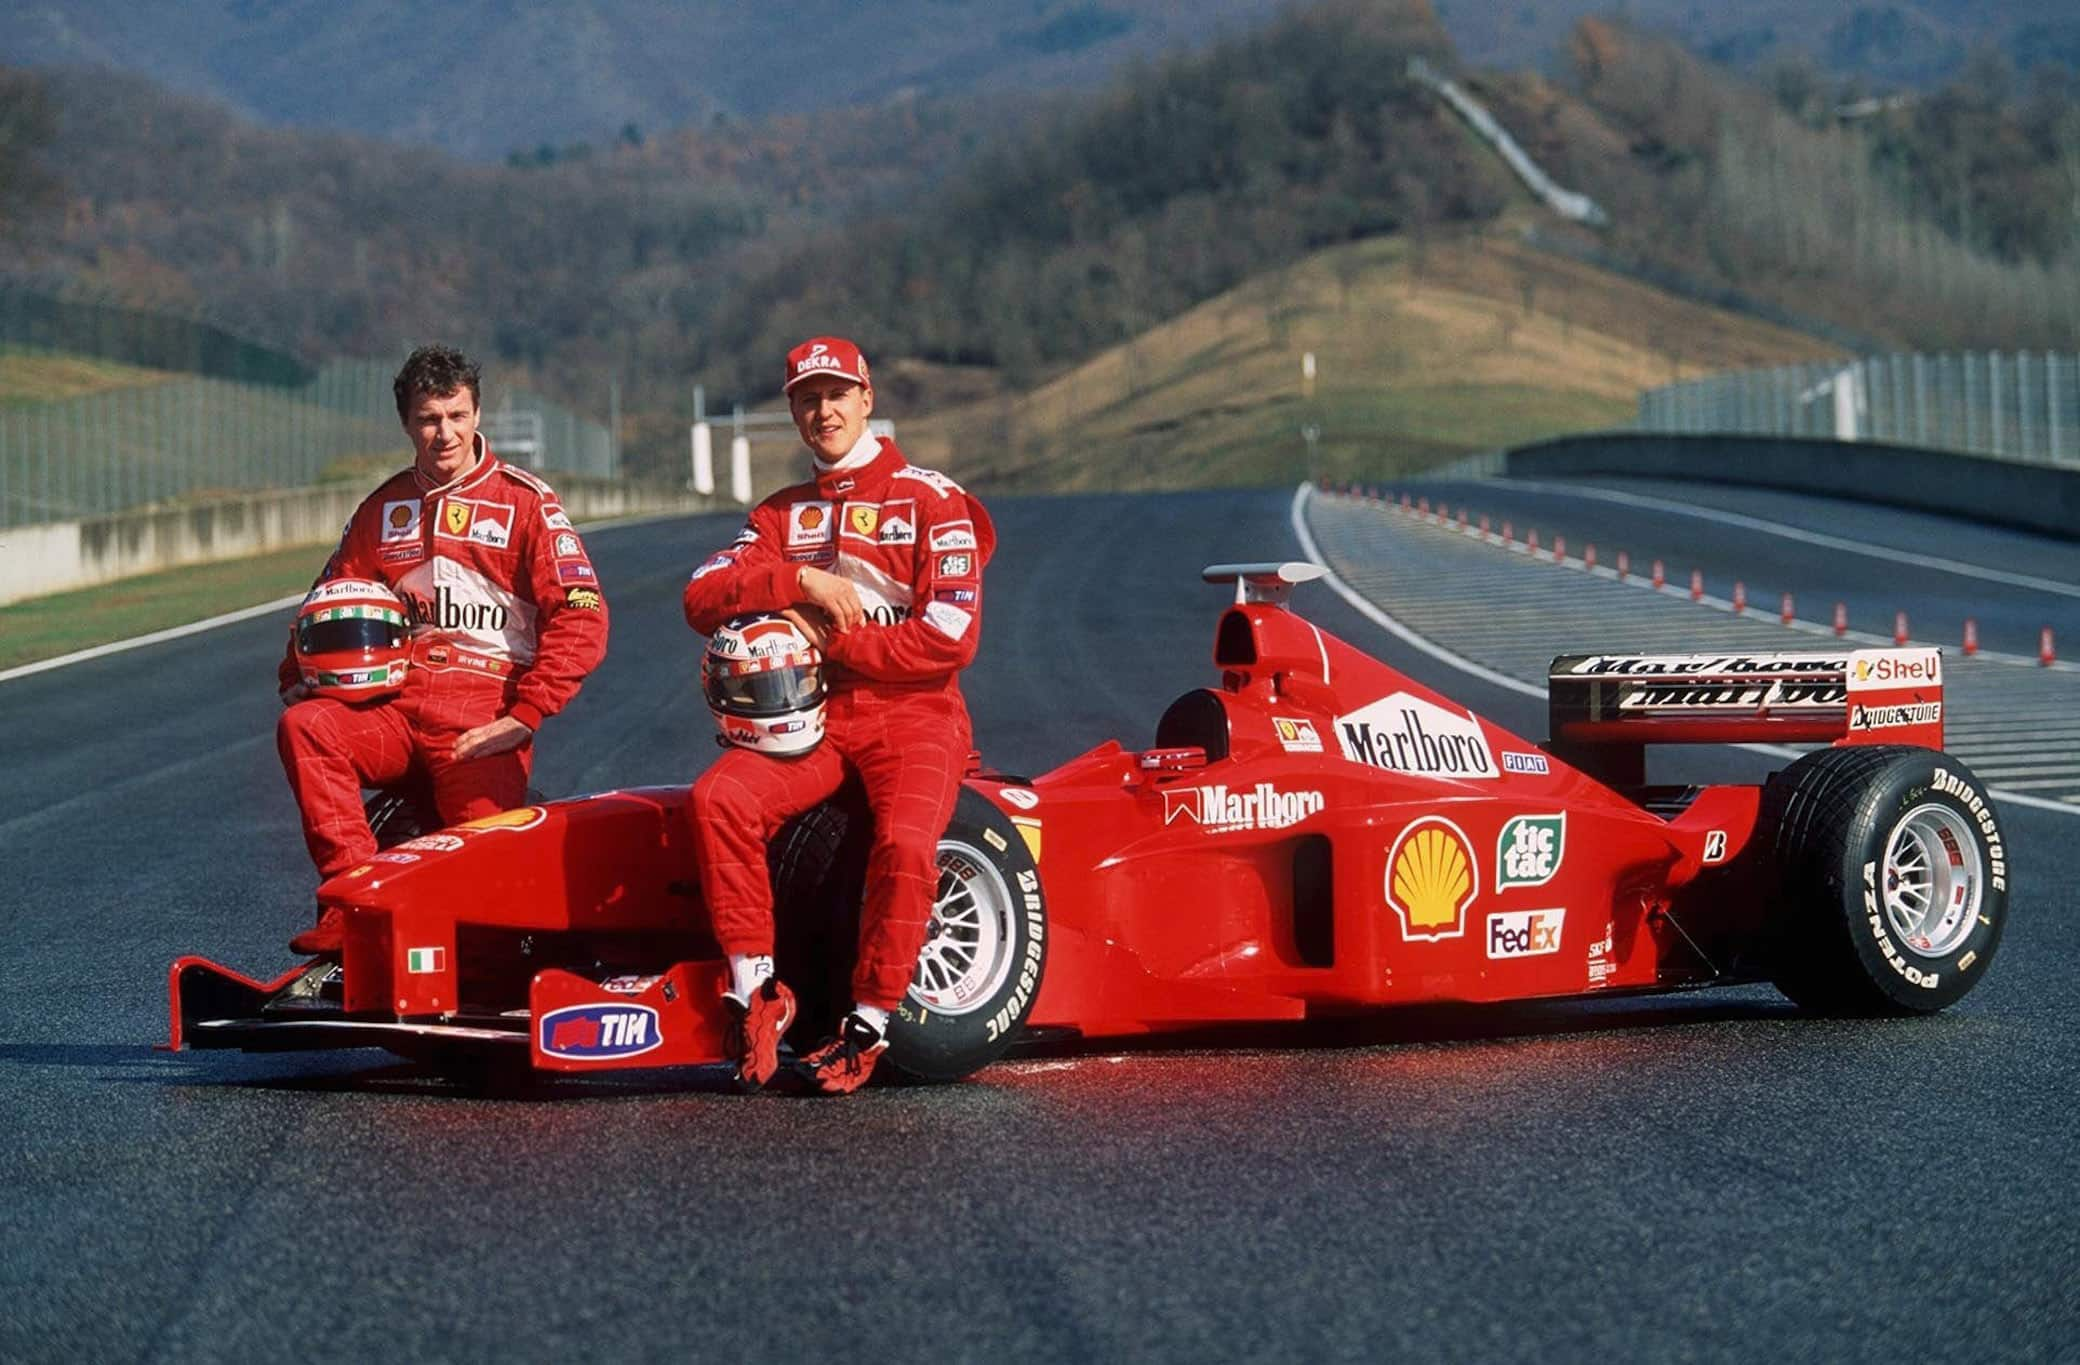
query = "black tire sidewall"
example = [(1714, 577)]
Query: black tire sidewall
[(1905, 978), (928, 1045)]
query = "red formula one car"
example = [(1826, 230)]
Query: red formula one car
[(1318, 834)]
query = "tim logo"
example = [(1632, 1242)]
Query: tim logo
[(591, 1033)]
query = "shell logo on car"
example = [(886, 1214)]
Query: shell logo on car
[(1432, 879), (526, 817)]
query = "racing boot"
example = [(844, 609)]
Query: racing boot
[(755, 1028), (325, 938), (841, 1064)]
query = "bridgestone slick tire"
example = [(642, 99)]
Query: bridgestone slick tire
[(1832, 820), (989, 899)]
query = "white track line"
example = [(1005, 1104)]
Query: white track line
[(80, 656), (1366, 609), (1777, 528)]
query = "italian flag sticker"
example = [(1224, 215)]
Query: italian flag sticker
[(419, 961)]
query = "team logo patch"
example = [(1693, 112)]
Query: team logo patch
[(864, 518), (954, 535), (567, 546), (596, 1032), (584, 599), (401, 520), (484, 523), (1297, 735), (809, 523), (956, 566), (574, 571), (1432, 879), (553, 517)]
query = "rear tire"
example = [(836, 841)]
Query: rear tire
[(1890, 872)]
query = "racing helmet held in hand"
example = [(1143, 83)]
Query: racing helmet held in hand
[(352, 640), (764, 685)]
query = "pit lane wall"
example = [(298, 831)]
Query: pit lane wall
[(59, 556), (2034, 497)]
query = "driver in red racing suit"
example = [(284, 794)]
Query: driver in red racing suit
[(507, 620), (880, 563)]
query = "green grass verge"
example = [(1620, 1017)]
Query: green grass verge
[(45, 627)]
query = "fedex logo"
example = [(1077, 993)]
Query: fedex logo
[(598, 1032), (1525, 933)]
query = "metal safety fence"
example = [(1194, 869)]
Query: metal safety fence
[(2020, 405), (184, 437)]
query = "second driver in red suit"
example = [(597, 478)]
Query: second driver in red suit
[(507, 619), (880, 563)]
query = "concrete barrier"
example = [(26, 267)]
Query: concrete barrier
[(59, 556), (2033, 497)]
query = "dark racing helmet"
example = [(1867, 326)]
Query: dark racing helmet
[(763, 682), (351, 640)]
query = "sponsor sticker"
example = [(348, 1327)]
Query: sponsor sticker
[(1217, 809), (863, 519), (1525, 933), (948, 620), (400, 554), (954, 535), (433, 843), (898, 522), (598, 1032), (1020, 797), (574, 571), (553, 517), (1717, 665), (1029, 830), (1432, 879), (526, 817), (1403, 733), (401, 520), (808, 523), (721, 561), (1715, 846), (421, 961), (1529, 850), (1892, 717), (959, 596), (1525, 763), (1870, 669), (394, 856), (484, 523), (1297, 735), (1600, 953), (584, 599), (956, 566), (567, 546), (747, 536)]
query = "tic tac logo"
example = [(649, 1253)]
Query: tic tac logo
[(1297, 735), (1432, 879), (401, 520), (1529, 850), (596, 1032), (956, 566), (1525, 933), (809, 523)]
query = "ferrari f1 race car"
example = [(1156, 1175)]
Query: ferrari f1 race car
[(1317, 835)]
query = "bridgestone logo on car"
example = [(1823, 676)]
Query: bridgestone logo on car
[(1889, 717), (1405, 734), (1982, 813), (1029, 966), (1219, 810)]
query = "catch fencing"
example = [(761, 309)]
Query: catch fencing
[(2022, 406), (179, 438)]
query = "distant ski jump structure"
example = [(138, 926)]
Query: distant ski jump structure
[(1569, 204)]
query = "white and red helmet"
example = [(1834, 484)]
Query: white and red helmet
[(763, 681), (352, 640)]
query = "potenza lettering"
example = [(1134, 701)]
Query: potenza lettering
[(1403, 733)]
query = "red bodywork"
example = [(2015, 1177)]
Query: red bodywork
[(1319, 834)]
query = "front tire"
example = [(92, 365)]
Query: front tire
[(1891, 876)]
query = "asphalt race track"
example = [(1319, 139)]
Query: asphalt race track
[(1705, 1177)]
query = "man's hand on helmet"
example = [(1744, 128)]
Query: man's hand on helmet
[(834, 596)]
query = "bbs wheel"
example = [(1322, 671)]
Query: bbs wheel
[(984, 950), (1891, 877)]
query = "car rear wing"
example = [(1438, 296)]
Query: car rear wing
[(1841, 697)]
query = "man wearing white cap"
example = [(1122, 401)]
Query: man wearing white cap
[(880, 562)]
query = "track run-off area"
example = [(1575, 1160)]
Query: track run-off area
[(1711, 1176)]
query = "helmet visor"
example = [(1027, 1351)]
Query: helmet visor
[(776, 692), (349, 630)]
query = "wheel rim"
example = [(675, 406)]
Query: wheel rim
[(1933, 880), (967, 953)]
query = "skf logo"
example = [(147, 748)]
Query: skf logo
[(1525, 933), (596, 1032), (1432, 879)]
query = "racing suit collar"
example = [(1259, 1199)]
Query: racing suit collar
[(855, 475), (482, 466)]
